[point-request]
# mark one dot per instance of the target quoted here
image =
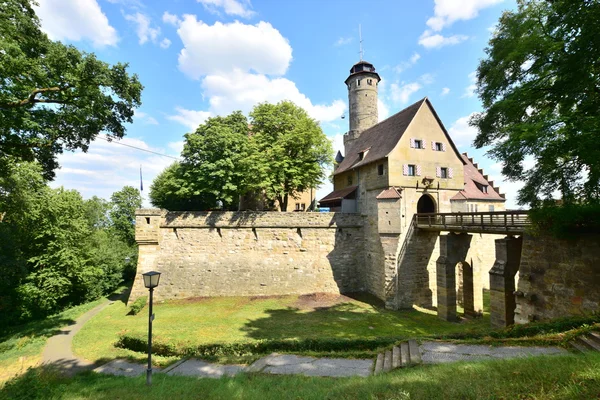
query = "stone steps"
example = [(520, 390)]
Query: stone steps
[(587, 342), (404, 355)]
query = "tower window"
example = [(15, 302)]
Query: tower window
[(380, 169), (369, 81), (358, 82)]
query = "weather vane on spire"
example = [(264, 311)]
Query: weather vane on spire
[(360, 42)]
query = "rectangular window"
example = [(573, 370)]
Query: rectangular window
[(380, 169), (444, 172), (438, 146), (303, 206), (361, 155), (491, 208), (349, 180), (297, 206), (418, 144), (412, 170)]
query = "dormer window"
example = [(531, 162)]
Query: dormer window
[(482, 188), (361, 155)]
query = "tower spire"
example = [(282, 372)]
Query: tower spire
[(360, 42)]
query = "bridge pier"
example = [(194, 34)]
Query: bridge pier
[(453, 249), (502, 281)]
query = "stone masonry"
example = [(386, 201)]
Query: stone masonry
[(249, 253)]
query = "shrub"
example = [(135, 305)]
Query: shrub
[(564, 221), (138, 305), (162, 347)]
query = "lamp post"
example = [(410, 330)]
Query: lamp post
[(151, 280)]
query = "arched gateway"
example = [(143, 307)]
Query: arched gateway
[(426, 204)]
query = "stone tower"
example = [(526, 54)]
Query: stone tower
[(362, 86)]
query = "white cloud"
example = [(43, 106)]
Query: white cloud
[(189, 118), (222, 48), (170, 19), (445, 91), (146, 118), (470, 90), (107, 167), (401, 93), (383, 111), (165, 43), (427, 79), (337, 142), (176, 146), (430, 40), (240, 8), (446, 12), (461, 132), (510, 188), (144, 31), (343, 41), (76, 20), (404, 65)]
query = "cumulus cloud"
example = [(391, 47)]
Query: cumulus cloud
[(401, 93), (145, 117), (189, 118), (76, 20), (404, 65), (470, 90), (446, 12), (461, 132), (445, 91), (107, 167), (510, 188), (144, 30), (222, 48), (432, 40), (240, 8), (170, 19), (165, 43), (383, 111)]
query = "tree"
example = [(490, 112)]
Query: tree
[(171, 191), (122, 213), (290, 153), (215, 160), (540, 88), (53, 96)]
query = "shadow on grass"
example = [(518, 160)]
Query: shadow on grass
[(45, 328)]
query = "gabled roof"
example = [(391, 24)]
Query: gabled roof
[(390, 193), (381, 139), (475, 175), (338, 194)]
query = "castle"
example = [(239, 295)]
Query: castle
[(370, 242)]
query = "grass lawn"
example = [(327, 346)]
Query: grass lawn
[(243, 319), (568, 377), (21, 346)]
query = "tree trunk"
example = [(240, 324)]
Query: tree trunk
[(283, 202)]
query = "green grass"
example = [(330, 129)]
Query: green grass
[(568, 377), (21, 346), (243, 319)]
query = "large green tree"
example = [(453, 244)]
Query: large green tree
[(122, 212), (291, 151), (215, 160), (53, 96), (540, 87)]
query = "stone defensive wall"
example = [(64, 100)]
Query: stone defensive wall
[(249, 253)]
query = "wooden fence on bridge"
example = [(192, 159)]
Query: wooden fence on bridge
[(496, 222)]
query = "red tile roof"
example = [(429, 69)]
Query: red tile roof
[(391, 193), (338, 194), (471, 191)]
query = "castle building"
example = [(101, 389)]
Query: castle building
[(409, 157)]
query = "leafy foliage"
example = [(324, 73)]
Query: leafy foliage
[(540, 87), (54, 96), (138, 305), (280, 153), (56, 249), (567, 220), (122, 213)]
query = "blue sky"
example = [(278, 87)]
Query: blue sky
[(199, 58)]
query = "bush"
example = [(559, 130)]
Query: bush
[(212, 351), (138, 305), (564, 221)]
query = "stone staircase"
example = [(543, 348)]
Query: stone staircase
[(404, 355), (588, 342)]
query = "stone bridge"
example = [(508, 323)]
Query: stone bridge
[(453, 250)]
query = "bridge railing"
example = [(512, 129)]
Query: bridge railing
[(497, 221)]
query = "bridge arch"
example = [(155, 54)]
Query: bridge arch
[(426, 204)]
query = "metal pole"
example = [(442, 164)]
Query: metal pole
[(149, 370)]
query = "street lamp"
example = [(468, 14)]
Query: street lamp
[(151, 280)]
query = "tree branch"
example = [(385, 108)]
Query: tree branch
[(33, 100)]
